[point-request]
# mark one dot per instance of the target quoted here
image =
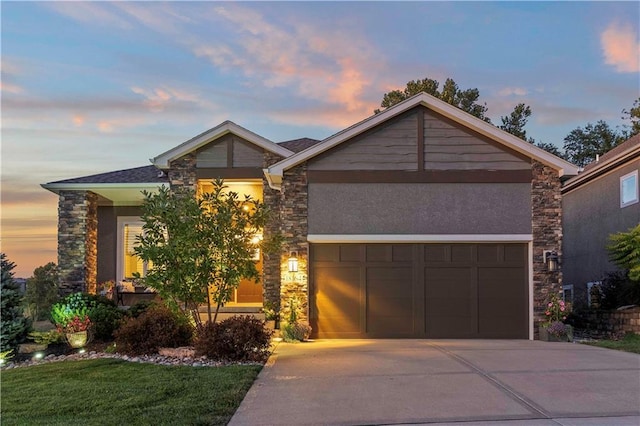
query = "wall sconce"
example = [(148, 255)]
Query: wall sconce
[(551, 260), (293, 261)]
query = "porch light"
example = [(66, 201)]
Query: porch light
[(551, 260), (293, 261)]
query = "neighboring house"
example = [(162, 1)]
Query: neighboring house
[(420, 221), (600, 201)]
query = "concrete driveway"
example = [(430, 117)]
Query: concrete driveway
[(479, 382)]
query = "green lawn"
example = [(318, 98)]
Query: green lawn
[(115, 392), (629, 343)]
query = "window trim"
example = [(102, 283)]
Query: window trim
[(569, 288), (633, 174), (121, 222)]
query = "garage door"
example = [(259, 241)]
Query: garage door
[(419, 290)]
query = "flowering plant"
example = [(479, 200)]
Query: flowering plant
[(75, 325), (556, 312)]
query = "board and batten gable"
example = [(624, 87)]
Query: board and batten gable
[(419, 173), (229, 151), (391, 146), (450, 146)]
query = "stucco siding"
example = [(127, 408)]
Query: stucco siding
[(592, 212), (445, 208), (392, 146), (449, 146)]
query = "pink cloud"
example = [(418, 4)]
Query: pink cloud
[(329, 67), (621, 48), (11, 88), (78, 120)]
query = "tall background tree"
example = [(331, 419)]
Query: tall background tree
[(42, 291), (200, 247), (582, 146), (14, 325), (466, 100)]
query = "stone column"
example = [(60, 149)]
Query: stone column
[(293, 216), (271, 261), (546, 207), (77, 241), (182, 172)]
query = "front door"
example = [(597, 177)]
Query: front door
[(249, 291)]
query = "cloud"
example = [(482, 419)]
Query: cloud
[(513, 91), (331, 67), (159, 98), (11, 88), (92, 13), (621, 47), (78, 120)]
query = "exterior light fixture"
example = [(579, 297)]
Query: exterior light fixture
[(38, 355), (293, 261), (551, 260)]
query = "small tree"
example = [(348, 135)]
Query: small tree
[(200, 247), (624, 251), (42, 290), (14, 326)]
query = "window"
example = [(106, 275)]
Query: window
[(127, 262), (629, 189), (567, 293)]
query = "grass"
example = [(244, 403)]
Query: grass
[(629, 343), (116, 392)]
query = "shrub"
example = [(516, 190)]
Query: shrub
[(139, 308), (103, 313), (239, 338), (106, 319), (618, 290), (297, 331), (14, 326), (157, 327)]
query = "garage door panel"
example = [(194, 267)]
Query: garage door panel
[(451, 326), (448, 283), (444, 307), (337, 300), (389, 301)]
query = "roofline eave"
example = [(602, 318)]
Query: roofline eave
[(563, 167), (163, 160)]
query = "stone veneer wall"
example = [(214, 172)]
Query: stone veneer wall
[(546, 208), (182, 172), (606, 324), (77, 241), (293, 216), (271, 262)]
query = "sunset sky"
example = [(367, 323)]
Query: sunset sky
[(92, 87)]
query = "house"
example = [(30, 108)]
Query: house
[(600, 201), (420, 221)]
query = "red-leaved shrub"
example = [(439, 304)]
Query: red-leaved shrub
[(155, 328), (239, 338)]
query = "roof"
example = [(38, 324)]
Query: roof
[(626, 151), (162, 161), (275, 172), (144, 174), (297, 145)]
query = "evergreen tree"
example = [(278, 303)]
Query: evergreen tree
[(14, 325)]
